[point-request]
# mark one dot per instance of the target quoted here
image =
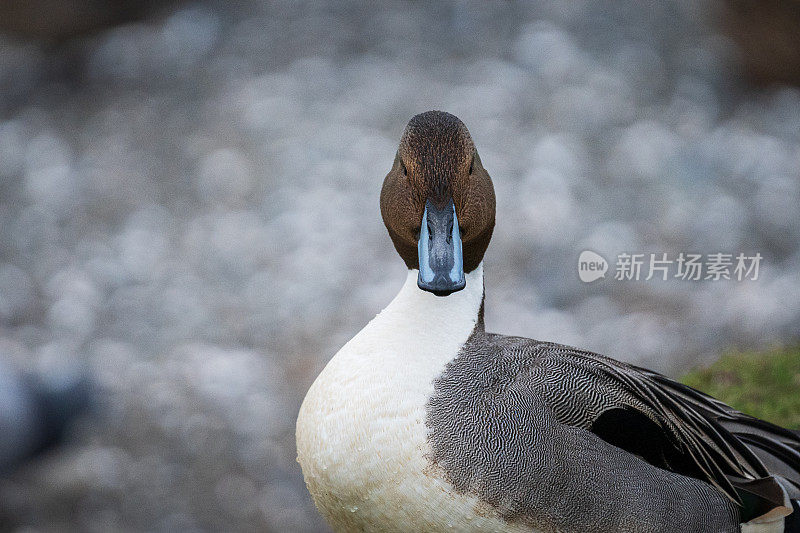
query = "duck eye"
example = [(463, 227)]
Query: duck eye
[(471, 165), (403, 168)]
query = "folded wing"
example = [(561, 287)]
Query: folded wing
[(754, 463)]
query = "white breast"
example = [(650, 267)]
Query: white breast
[(361, 435)]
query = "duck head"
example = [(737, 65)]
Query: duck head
[(438, 202)]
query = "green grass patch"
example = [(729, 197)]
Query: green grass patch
[(762, 384)]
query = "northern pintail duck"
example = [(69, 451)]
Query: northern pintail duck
[(425, 422)]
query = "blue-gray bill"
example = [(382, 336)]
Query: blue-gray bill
[(441, 260)]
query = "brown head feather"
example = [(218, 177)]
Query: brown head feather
[(437, 161)]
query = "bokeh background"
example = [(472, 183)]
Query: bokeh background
[(189, 212)]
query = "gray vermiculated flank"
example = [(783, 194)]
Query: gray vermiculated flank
[(509, 422)]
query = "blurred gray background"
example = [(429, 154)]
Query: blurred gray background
[(189, 210)]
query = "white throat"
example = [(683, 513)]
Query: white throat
[(430, 326), (414, 337)]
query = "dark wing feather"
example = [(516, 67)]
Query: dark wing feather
[(764, 439), (690, 429)]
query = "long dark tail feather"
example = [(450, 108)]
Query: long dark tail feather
[(748, 424), (778, 448), (789, 456)]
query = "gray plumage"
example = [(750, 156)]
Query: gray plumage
[(569, 440)]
